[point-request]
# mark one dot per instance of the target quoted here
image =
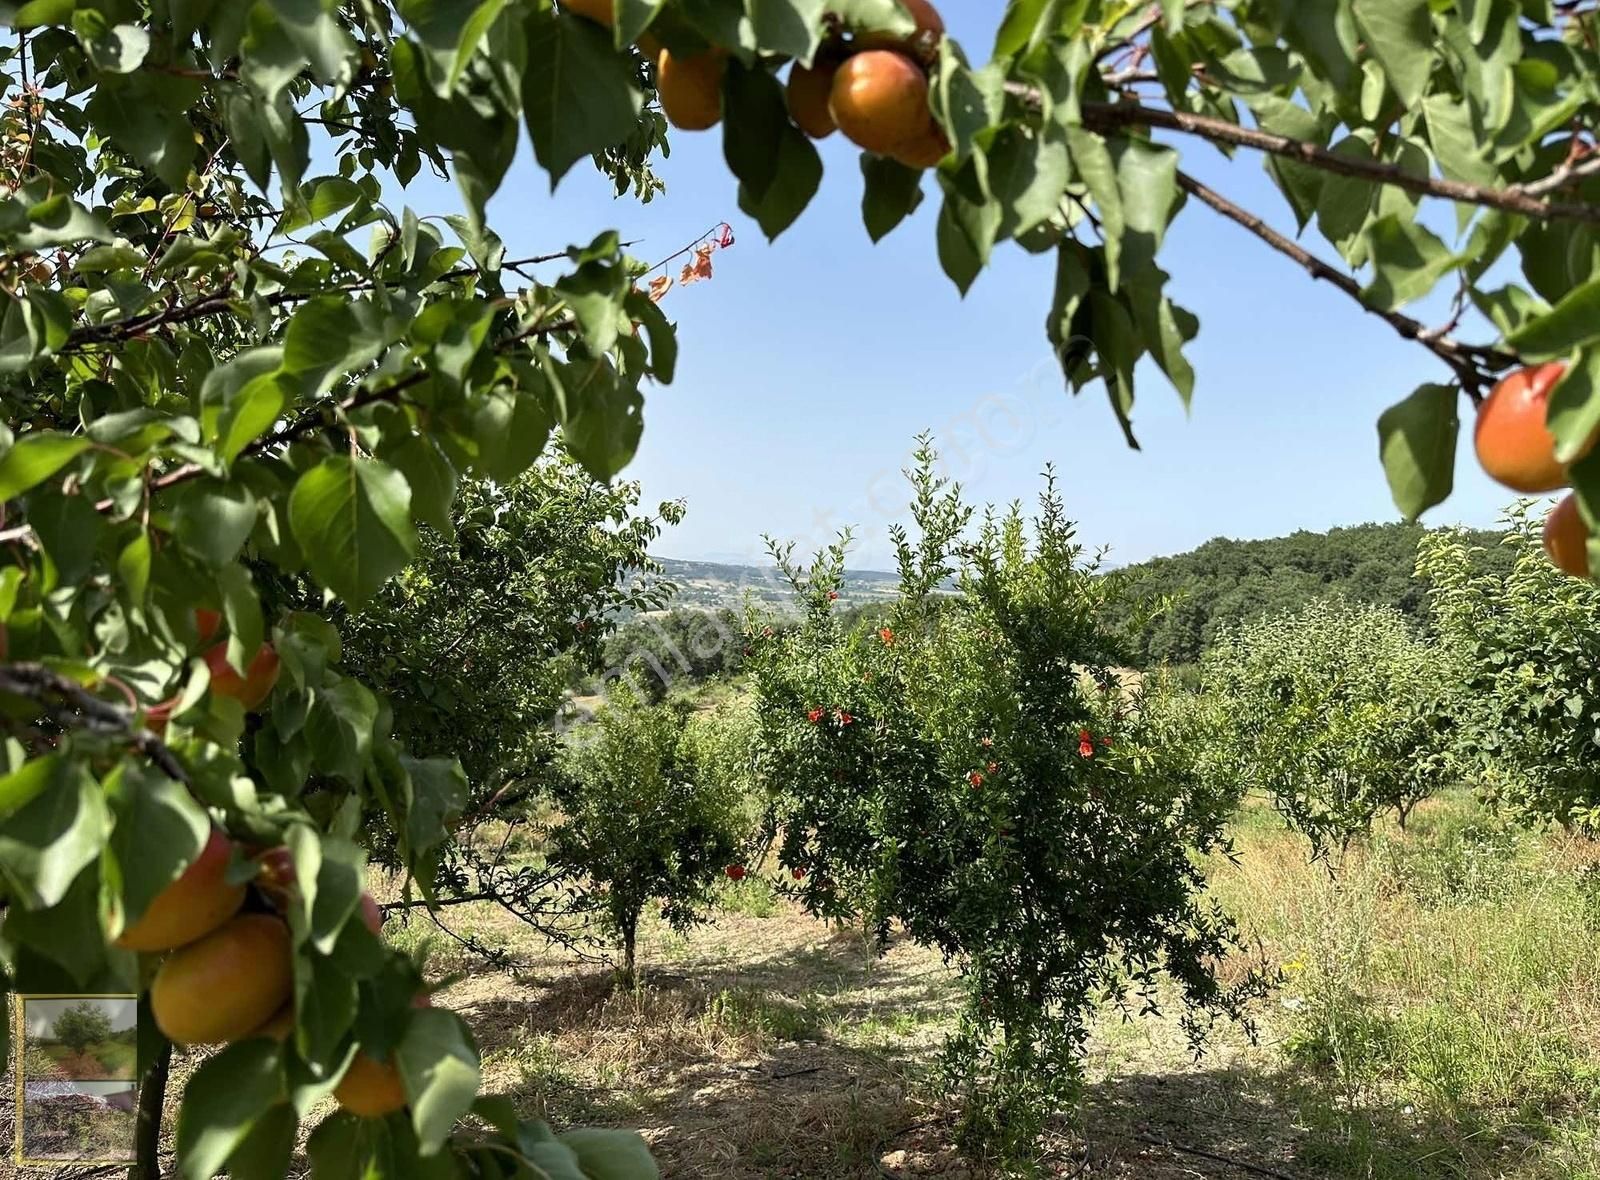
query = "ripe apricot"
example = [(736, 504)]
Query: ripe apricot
[(1514, 445), (929, 31), (808, 92), (927, 149), (192, 906), (691, 88), (251, 689), (207, 622), (880, 100), (371, 1088), (279, 1026), (226, 985), (1566, 538), (371, 914)]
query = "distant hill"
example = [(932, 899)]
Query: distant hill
[(709, 584), (1224, 582)]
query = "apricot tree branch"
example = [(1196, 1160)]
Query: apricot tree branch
[(71, 705), (1469, 362), (1113, 117)]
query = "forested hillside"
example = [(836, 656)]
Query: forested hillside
[(1225, 581)]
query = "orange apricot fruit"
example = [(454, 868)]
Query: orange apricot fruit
[(807, 93), (1513, 442), (195, 904), (880, 100), (1566, 538), (227, 984), (927, 149), (691, 88), (251, 689), (370, 1088)]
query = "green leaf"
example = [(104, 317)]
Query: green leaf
[(956, 253), (1574, 321), (1407, 260), (340, 728), (798, 178), (314, 29), (601, 416), (439, 1065), (789, 27), (57, 221), (1573, 413), (1417, 443), (158, 830), (450, 32), (579, 95), (893, 192), (1400, 33), (47, 842), (34, 458), (611, 1155), (596, 292), (1456, 143), (352, 519), (511, 427), (225, 1097), (241, 606), (754, 121), (133, 567), (1092, 161), (431, 478), (1028, 173), (213, 520)]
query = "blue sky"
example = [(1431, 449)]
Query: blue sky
[(808, 365)]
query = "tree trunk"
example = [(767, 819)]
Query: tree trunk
[(147, 1130), (630, 932)]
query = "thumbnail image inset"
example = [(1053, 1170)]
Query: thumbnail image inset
[(79, 1122), (81, 1038)]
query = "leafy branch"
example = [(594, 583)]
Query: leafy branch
[(72, 706), (1117, 117), (1469, 362)]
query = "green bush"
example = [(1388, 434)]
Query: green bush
[(1528, 640), (973, 770), (1338, 711), (645, 817)]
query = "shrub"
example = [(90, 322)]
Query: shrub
[(644, 818), (1338, 711), (973, 770), (82, 1025), (1528, 640)]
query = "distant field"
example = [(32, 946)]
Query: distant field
[(104, 1061), (708, 584)]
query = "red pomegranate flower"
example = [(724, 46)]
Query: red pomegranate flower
[(992, 767), (799, 874), (1086, 749), (735, 872), (833, 596), (845, 718), (814, 716), (976, 779), (887, 635)]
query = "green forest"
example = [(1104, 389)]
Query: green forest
[(1226, 582)]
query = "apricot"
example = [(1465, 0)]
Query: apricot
[(1566, 538), (927, 149), (225, 986), (207, 622), (251, 689), (1514, 445), (691, 88), (929, 31), (279, 1026), (195, 904), (371, 914), (808, 92), (880, 100), (371, 1088)]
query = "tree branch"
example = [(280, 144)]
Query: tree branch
[(1469, 362), (73, 706), (1115, 117)]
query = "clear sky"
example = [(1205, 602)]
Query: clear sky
[(808, 365)]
